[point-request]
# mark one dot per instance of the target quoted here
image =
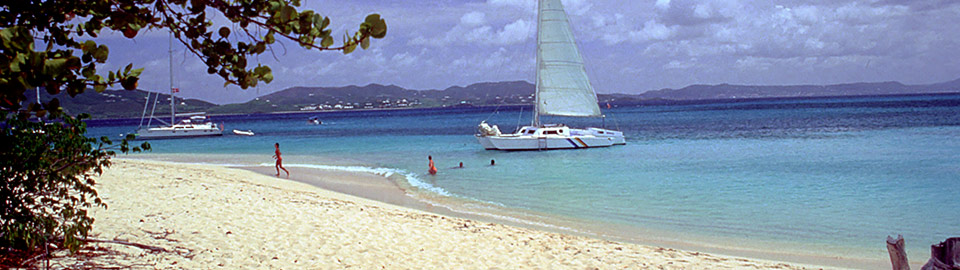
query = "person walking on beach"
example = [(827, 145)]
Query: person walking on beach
[(433, 169), (279, 165)]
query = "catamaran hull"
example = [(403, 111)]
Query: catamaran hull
[(516, 143)]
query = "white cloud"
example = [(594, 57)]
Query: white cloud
[(523, 4), (674, 64), (515, 32), (662, 4), (573, 7), (473, 18), (702, 11), (652, 30), (469, 31)]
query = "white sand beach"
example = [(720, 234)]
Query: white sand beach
[(216, 217)]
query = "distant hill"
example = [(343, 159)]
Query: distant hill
[(386, 96), (728, 91), (120, 103)]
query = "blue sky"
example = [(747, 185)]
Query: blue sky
[(628, 46)]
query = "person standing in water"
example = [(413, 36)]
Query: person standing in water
[(279, 165), (433, 169)]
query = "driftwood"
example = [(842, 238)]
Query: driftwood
[(898, 257), (147, 247), (944, 256)]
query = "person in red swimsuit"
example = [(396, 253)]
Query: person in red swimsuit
[(279, 166), (433, 169)]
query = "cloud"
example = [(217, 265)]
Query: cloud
[(473, 29), (629, 46), (652, 30), (662, 4), (574, 7), (515, 32), (473, 18)]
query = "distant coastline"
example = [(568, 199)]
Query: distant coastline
[(114, 104), (613, 104)]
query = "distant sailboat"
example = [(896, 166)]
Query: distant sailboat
[(195, 126), (563, 89)]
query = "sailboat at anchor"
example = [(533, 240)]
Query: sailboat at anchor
[(563, 89), (196, 125)]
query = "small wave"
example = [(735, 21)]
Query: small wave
[(411, 178)]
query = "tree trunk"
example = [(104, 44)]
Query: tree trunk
[(898, 257), (944, 256)]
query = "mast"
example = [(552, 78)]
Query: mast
[(536, 91), (170, 57)]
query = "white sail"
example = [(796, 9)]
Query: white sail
[(562, 85), (562, 89)]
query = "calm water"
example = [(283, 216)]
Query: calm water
[(823, 176)]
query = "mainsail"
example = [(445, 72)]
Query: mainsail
[(562, 85)]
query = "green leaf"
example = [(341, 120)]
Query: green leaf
[(267, 77), (99, 87), (135, 72), (269, 38), (349, 48), (101, 53), (129, 83), (224, 32), (88, 45), (365, 43), (53, 105), (88, 71), (379, 29), (372, 18), (287, 13), (54, 66), (259, 48), (327, 41)]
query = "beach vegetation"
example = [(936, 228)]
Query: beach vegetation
[(48, 187), (47, 161)]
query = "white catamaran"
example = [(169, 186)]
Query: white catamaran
[(563, 89), (194, 126)]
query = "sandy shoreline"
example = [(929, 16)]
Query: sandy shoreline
[(216, 217)]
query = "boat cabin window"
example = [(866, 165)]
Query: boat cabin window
[(550, 132)]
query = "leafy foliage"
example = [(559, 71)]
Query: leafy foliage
[(48, 186), (61, 26)]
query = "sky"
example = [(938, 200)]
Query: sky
[(627, 46)]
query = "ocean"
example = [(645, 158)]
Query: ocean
[(798, 178)]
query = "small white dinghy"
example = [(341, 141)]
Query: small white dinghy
[(243, 132)]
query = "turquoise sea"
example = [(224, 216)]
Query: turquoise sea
[(806, 179)]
